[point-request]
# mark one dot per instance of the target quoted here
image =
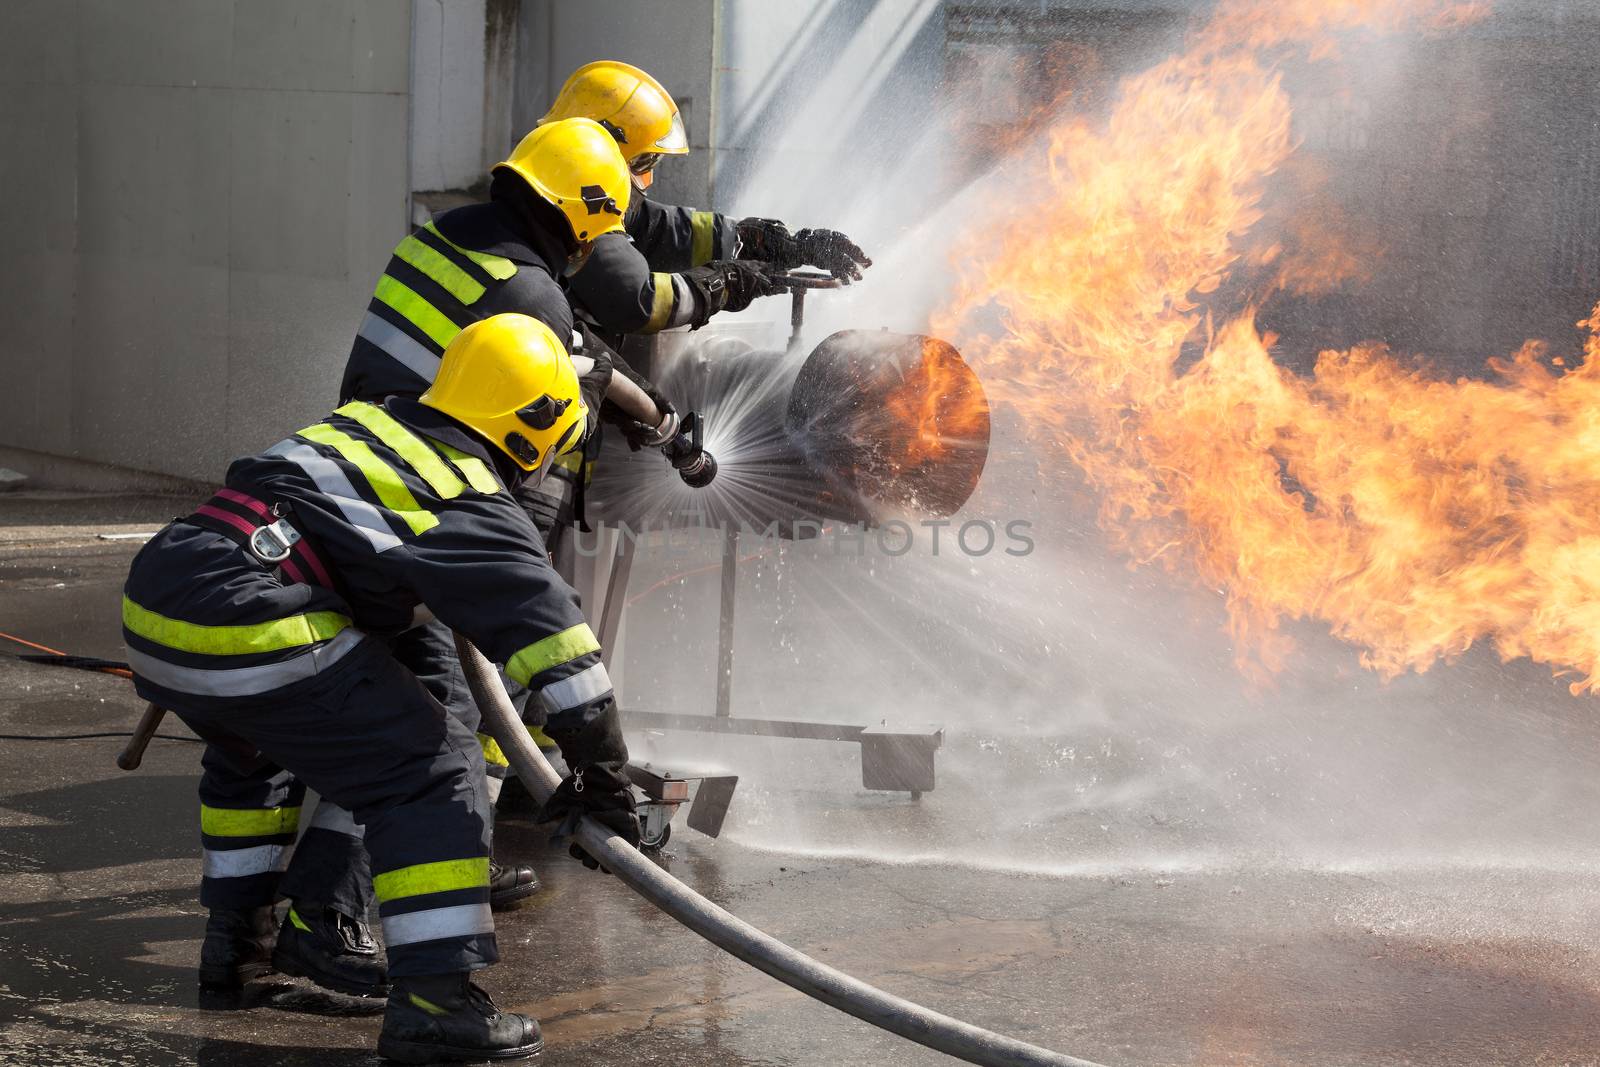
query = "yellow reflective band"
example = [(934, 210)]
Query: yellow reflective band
[(427, 318), (299, 923), (292, 632), (497, 267), (572, 461), (540, 738), (661, 307), (384, 479), (476, 470), (413, 449), (455, 281), (426, 1005), (248, 822), (492, 755), (552, 651), (439, 877), (703, 224)]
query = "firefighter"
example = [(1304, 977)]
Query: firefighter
[(562, 186), (262, 619), (675, 266)]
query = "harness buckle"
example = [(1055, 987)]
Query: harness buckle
[(271, 543)]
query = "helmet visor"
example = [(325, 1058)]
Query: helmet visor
[(675, 139), (644, 163)]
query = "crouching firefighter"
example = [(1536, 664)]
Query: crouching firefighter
[(675, 266), (560, 188), (263, 620)]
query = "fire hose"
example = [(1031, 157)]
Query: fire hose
[(730, 933)]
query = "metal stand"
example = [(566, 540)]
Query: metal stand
[(894, 760)]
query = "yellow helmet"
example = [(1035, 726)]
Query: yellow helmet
[(509, 378), (632, 106), (575, 165)]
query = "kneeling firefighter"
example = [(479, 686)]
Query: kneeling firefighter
[(265, 621), (562, 187), (675, 266)]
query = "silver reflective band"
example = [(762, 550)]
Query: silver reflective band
[(244, 681), (400, 346), (587, 685), (492, 787), (331, 480), (682, 304), (331, 817), (243, 862), (463, 920)]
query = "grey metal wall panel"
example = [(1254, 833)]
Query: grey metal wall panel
[(199, 194)]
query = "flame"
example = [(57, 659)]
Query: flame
[(1414, 516), (937, 407)]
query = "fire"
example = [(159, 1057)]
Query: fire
[(1414, 516), (938, 406)]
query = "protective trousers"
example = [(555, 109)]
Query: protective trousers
[(329, 867), (366, 735)]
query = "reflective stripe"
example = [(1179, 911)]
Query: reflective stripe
[(491, 751), (463, 920), (243, 862), (492, 787), (248, 822), (474, 469), (661, 306), (421, 314), (331, 817), (703, 224), (383, 478), (331, 480), (455, 281), (243, 681), (682, 303), (589, 684), (243, 640), (439, 877), (497, 267), (552, 651), (400, 346), (411, 448), (540, 738)]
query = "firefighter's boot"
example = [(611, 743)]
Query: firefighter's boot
[(237, 948), (446, 1017), (509, 883), (332, 950)]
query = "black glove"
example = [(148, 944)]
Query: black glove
[(769, 240), (833, 252), (598, 785), (601, 791), (729, 285)]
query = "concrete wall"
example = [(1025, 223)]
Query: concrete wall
[(197, 195)]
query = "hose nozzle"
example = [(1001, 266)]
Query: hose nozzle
[(688, 455)]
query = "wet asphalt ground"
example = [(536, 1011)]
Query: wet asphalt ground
[(1141, 962)]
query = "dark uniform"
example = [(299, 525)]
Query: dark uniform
[(632, 283), (285, 667)]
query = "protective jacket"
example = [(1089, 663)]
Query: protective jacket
[(465, 264), (633, 283), (403, 510)]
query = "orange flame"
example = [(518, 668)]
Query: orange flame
[(1414, 516), (939, 406)]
